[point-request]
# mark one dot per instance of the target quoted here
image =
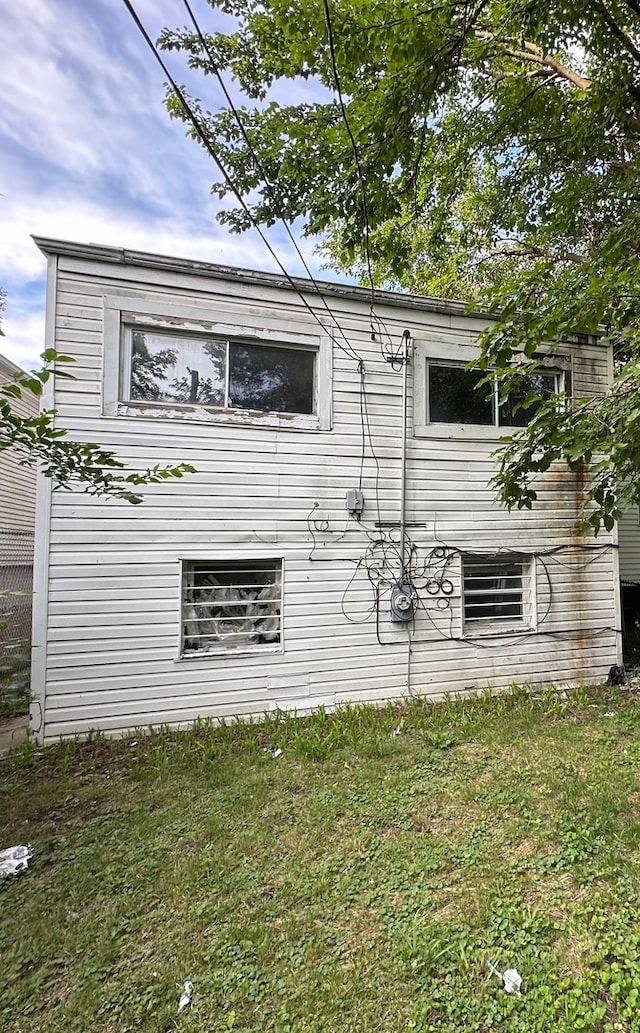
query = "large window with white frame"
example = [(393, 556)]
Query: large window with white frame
[(168, 368), (231, 606), (451, 400), (498, 594)]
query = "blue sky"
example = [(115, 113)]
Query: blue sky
[(88, 152)]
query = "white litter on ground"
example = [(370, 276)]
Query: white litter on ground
[(15, 859), (511, 978), (185, 999)]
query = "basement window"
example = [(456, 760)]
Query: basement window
[(182, 370), (454, 395), (497, 594), (231, 605)]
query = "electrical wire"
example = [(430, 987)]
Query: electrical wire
[(263, 175), (351, 353), (359, 169), (206, 142)]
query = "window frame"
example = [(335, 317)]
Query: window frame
[(128, 330), (526, 622), (439, 350), (221, 650), (237, 323)]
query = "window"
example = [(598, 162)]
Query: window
[(497, 593), (173, 369), (453, 396), (230, 605)]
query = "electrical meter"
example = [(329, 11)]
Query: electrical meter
[(403, 599)]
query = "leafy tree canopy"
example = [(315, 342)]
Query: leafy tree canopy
[(498, 145), (39, 442)]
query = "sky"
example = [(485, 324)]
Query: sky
[(88, 152)]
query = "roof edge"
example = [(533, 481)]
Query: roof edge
[(126, 256)]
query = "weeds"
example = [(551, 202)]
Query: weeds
[(362, 880)]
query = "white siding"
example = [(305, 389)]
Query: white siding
[(111, 642), (17, 483)]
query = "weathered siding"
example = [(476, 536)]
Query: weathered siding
[(629, 540), (17, 483), (110, 585)]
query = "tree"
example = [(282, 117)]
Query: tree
[(65, 461), (483, 149)]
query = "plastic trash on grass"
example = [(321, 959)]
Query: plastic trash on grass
[(511, 979), (185, 999), (276, 753), (15, 859)]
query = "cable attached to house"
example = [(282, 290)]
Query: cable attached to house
[(265, 178), (207, 144)]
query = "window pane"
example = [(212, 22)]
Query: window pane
[(230, 604), (271, 379), (453, 397), (177, 369), (541, 384)]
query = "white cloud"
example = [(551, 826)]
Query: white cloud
[(88, 153)]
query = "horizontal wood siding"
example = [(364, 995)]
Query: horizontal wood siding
[(629, 539), (17, 482), (113, 631)]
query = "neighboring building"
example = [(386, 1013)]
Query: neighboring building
[(629, 542), (17, 524), (269, 578)]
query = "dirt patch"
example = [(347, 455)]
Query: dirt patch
[(13, 731)]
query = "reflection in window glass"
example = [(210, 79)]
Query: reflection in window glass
[(513, 413), (271, 379), (177, 369), (453, 397), (196, 371)]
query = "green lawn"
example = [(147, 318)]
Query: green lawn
[(359, 882)]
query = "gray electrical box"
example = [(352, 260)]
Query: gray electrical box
[(354, 502), (403, 602)]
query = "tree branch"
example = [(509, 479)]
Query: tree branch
[(534, 53), (532, 251), (617, 31)]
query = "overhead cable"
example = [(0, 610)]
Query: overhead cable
[(206, 142), (356, 155), (262, 172)]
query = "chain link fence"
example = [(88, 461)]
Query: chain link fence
[(16, 596)]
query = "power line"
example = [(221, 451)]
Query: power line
[(356, 155), (261, 171), (206, 142)]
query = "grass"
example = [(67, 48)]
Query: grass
[(359, 882)]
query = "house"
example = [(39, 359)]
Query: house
[(629, 562), (17, 524), (339, 541)]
